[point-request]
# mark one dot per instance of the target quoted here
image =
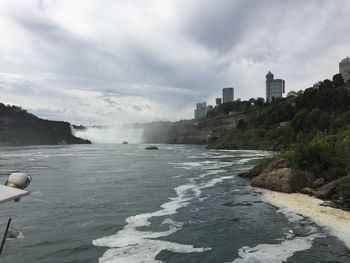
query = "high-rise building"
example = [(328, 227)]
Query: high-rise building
[(344, 68), (218, 101), (201, 111), (274, 87), (227, 95)]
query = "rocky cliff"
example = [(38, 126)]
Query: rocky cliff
[(17, 127), (190, 131)]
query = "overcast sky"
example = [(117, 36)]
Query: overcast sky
[(92, 61)]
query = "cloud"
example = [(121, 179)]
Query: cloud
[(88, 62), (136, 108)]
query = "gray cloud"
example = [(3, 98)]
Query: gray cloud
[(98, 64), (111, 102), (136, 108)]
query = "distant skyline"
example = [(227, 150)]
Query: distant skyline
[(114, 61)]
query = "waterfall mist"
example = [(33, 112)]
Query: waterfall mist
[(111, 134)]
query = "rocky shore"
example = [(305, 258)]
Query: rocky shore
[(337, 221), (278, 175)]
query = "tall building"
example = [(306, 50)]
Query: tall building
[(274, 87), (344, 68), (201, 111), (227, 95), (218, 101)]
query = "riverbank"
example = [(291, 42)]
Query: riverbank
[(336, 220)]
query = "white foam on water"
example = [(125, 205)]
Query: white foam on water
[(145, 252), (205, 165), (291, 216), (192, 164), (296, 207), (246, 160), (335, 220), (19, 154), (133, 245), (250, 152), (197, 157), (215, 166), (211, 172), (215, 181), (285, 248), (221, 156), (274, 253)]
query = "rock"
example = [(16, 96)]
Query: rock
[(318, 182), (251, 173), (151, 148), (341, 195), (275, 165), (257, 170), (287, 180), (327, 190), (327, 203), (307, 191)]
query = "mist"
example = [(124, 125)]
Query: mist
[(110, 134)]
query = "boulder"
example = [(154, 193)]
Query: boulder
[(308, 191), (151, 148), (327, 203), (251, 173), (327, 190), (257, 170), (287, 180), (318, 182), (276, 164)]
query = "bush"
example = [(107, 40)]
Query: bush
[(322, 158), (344, 188)]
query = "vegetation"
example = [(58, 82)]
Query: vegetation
[(312, 128), (18, 127), (322, 157), (13, 111), (344, 188)]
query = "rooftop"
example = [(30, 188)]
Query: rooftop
[(347, 59)]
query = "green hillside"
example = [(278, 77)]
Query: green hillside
[(310, 128)]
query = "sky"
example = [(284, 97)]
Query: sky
[(115, 61)]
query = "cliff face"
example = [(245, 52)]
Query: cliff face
[(17, 127), (190, 131)]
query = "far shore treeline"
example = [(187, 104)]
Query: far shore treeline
[(18, 127)]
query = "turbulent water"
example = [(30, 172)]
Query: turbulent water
[(121, 203)]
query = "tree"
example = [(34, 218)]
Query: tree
[(338, 80), (259, 102), (241, 125), (326, 84), (292, 94)]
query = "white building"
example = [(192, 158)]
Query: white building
[(344, 68), (274, 87), (201, 111), (227, 95)]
